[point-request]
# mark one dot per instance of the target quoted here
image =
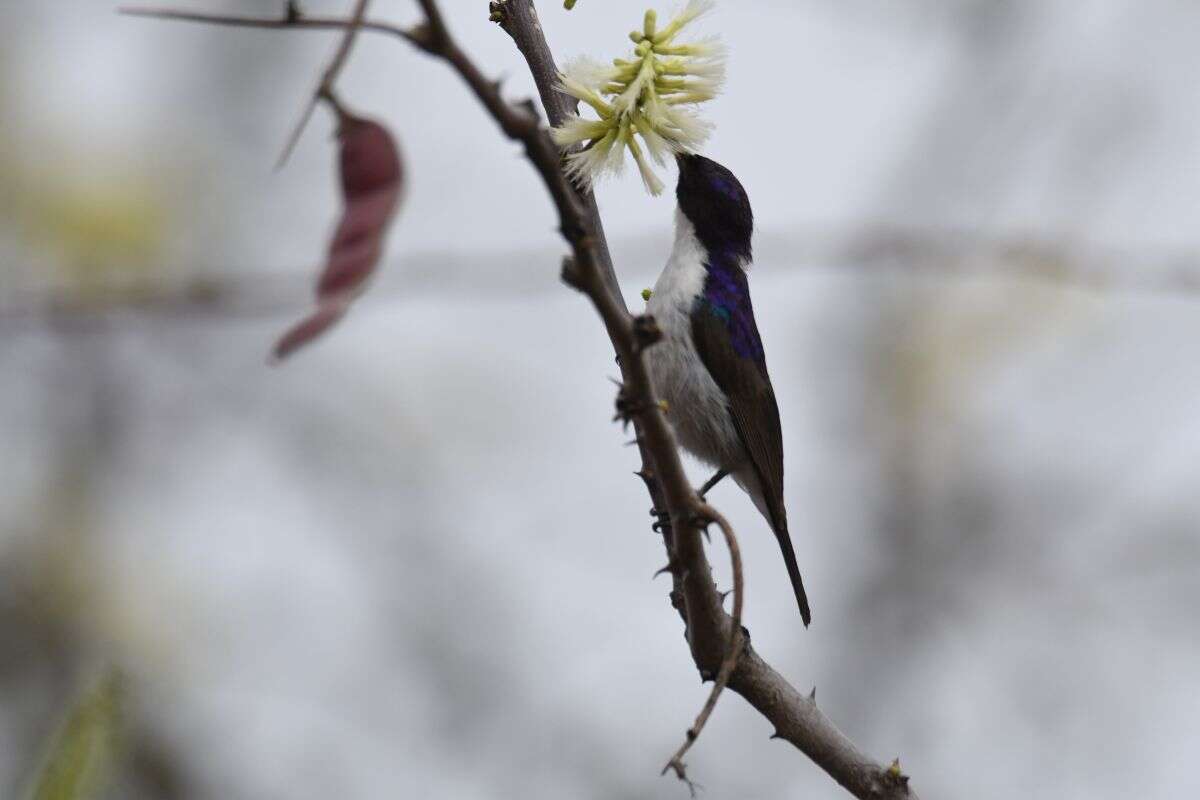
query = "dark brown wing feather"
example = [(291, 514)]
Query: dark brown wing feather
[(755, 415)]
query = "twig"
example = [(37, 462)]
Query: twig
[(325, 89), (286, 22), (732, 653), (291, 19)]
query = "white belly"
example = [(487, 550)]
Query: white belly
[(696, 406)]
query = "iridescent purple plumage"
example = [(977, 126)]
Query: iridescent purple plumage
[(727, 296)]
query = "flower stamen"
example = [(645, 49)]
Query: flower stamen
[(642, 98)]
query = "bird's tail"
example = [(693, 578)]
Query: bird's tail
[(774, 513), (789, 559)]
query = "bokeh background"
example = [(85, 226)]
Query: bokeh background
[(413, 562)]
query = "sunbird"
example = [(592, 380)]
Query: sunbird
[(710, 366)]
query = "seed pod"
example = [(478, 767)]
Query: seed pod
[(372, 183)]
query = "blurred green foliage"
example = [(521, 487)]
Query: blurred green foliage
[(83, 754)]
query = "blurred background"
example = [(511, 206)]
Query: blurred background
[(413, 562)]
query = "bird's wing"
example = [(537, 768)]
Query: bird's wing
[(729, 347), (727, 341)]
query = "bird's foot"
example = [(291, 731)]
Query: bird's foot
[(711, 482), (663, 519)]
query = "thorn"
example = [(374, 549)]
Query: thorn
[(645, 474), (813, 695), (672, 568), (776, 735), (293, 13)]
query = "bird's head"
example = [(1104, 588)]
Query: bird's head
[(713, 200)]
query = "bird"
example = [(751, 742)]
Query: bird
[(710, 366)]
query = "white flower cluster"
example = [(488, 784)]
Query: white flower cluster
[(649, 97)]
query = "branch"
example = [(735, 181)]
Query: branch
[(795, 717), (732, 652), (286, 22), (712, 634), (520, 21)]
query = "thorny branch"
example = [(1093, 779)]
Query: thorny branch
[(796, 717), (713, 635)]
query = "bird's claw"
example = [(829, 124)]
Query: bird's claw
[(663, 521)]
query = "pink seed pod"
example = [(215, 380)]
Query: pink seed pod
[(372, 180)]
